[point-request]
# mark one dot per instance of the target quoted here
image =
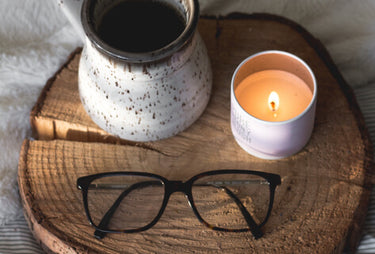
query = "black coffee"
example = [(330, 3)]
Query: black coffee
[(140, 26)]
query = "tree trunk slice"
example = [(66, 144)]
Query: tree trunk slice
[(319, 207)]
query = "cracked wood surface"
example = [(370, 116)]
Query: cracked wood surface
[(319, 207)]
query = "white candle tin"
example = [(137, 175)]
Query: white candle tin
[(272, 140)]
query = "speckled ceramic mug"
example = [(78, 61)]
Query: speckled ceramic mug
[(142, 96)]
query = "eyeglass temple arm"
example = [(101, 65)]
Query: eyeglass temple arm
[(108, 215), (254, 228)]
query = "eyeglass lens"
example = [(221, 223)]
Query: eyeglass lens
[(218, 199), (133, 201)]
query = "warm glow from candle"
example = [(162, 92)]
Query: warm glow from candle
[(273, 95), (273, 101)]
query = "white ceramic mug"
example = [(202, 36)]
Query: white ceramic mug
[(142, 96)]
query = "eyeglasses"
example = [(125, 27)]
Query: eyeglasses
[(224, 200)]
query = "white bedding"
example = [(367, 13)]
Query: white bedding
[(35, 39)]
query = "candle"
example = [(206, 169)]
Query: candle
[(273, 95), (273, 100)]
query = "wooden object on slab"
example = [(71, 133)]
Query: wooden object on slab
[(319, 207)]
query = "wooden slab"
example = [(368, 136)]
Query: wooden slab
[(319, 207)]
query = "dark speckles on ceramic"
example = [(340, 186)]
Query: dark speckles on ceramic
[(162, 98)]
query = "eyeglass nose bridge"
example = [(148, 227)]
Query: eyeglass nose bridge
[(177, 186)]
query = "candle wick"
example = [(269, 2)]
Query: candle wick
[(273, 105)]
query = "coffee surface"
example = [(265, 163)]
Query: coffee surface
[(140, 26)]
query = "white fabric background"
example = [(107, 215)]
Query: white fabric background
[(36, 38)]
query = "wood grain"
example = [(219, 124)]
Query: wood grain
[(319, 207)]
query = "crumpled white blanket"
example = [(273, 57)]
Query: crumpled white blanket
[(36, 38)]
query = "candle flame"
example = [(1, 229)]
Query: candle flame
[(273, 101)]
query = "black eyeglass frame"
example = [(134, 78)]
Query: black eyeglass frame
[(170, 187)]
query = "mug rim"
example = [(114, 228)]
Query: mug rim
[(139, 57)]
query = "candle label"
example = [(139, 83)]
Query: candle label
[(240, 125)]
